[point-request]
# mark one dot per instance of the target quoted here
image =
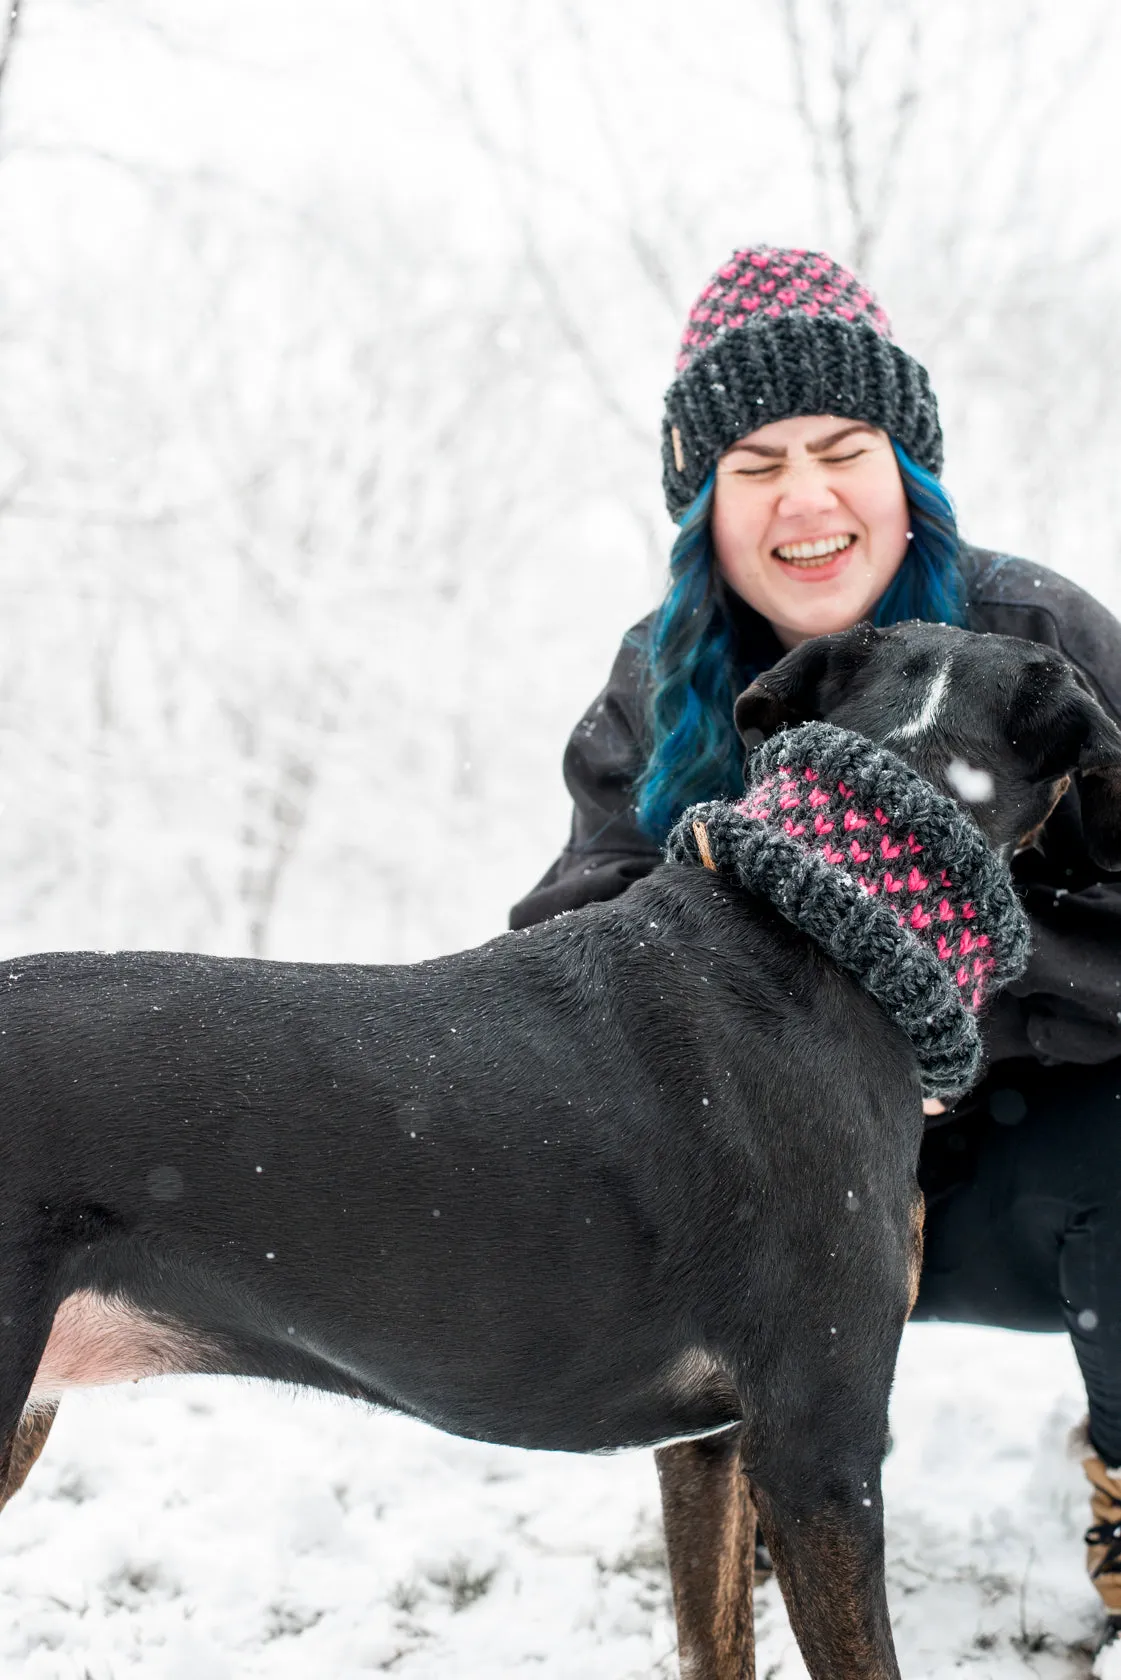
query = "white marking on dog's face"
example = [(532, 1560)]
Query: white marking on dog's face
[(927, 714), (972, 786)]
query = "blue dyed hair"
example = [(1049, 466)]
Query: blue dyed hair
[(928, 584), (693, 670)]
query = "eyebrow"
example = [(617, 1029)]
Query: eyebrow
[(818, 447)]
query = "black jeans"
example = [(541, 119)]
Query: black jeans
[(1023, 1223)]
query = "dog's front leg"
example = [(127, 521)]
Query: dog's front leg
[(829, 1560), (710, 1538), (814, 1465)]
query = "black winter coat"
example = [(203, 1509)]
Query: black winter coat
[(1067, 1007)]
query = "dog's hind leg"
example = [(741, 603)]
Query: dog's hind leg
[(710, 1538), (30, 1439), (25, 1327)]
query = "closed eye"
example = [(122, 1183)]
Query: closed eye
[(827, 460)]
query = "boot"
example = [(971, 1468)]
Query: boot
[(1103, 1539)]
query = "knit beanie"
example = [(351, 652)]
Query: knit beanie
[(778, 333)]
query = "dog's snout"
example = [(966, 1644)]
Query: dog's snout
[(993, 721)]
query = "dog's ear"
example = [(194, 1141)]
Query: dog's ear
[(1100, 794), (791, 691), (784, 695), (1071, 733)]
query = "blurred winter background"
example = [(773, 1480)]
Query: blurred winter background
[(332, 344)]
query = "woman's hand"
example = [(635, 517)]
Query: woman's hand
[(932, 1105)]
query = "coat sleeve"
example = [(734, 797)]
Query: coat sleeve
[(1071, 993), (605, 850), (1067, 1005)]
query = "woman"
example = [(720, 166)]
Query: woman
[(801, 452)]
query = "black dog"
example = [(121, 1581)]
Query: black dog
[(586, 1187)]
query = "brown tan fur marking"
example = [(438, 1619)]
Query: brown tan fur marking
[(30, 1438), (710, 1537), (824, 1580), (914, 1262), (1030, 838)]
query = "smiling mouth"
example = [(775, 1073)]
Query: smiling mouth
[(811, 554)]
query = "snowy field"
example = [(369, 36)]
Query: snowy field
[(201, 1530)]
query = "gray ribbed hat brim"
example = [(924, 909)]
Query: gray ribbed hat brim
[(775, 369)]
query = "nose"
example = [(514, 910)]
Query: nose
[(806, 493)]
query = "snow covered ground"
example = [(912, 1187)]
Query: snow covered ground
[(201, 1530)]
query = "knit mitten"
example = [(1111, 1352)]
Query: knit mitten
[(887, 875)]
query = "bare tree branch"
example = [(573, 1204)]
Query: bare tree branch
[(799, 63), (907, 104), (644, 248), (833, 99), (8, 33), (519, 201), (845, 72)]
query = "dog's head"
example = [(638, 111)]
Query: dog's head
[(998, 724)]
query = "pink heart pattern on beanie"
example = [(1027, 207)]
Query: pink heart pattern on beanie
[(786, 282)]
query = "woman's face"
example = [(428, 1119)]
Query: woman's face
[(810, 522)]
